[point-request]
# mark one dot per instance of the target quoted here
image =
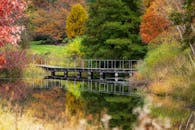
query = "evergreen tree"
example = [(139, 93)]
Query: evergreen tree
[(113, 30)]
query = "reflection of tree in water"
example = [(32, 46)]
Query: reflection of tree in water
[(119, 107), (55, 105), (14, 91), (44, 105), (13, 97), (47, 104), (61, 108), (74, 106)]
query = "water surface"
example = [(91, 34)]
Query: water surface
[(65, 105)]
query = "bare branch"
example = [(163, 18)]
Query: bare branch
[(180, 33), (192, 26), (192, 49)]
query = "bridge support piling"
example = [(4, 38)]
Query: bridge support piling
[(66, 74), (79, 75), (130, 74), (102, 76), (116, 76), (90, 75), (53, 73)]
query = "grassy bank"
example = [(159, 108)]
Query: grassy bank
[(41, 49), (61, 55)]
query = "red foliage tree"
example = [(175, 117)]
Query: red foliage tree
[(2, 61), (152, 24), (10, 12)]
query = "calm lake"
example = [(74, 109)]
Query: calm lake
[(48, 104)]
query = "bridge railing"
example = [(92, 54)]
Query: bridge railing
[(61, 62), (111, 64), (85, 63)]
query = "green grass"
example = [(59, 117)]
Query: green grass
[(38, 48), (61, 55)]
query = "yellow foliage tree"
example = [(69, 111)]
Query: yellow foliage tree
[(75, 23)]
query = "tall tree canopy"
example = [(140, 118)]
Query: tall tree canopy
[(113, 30), (153, 23), (75, 23), (10, 12), (173, 18), (50, 17)]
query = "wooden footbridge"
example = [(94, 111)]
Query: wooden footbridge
[(93, 69)]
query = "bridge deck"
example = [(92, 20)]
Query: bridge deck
[(80, 69)]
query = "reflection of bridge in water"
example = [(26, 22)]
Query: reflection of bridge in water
[(106, 87), (94, 86)]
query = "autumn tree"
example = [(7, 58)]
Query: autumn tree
[(10, 12), (2, 61), (144, 4), (176, 15), (40, 3), (50, 22), (49, 17), (152, 24), (75, 23)]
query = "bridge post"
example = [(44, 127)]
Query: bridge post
[(90, 75), (116, 76), (66, 74), (53, 73), (79, 75), (130, 74), (102, 76)]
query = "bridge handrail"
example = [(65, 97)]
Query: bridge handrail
[(109, 63), (87, 63)]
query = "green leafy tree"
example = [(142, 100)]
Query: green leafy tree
[(75, 23), (113, 30)]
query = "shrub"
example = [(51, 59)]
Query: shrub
[(158, 58), (73, 50), (16, 61)]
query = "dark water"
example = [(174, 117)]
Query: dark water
[(66, 105)]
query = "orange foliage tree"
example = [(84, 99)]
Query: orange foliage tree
[(50, 23), (145, 4), (40, 3), (153, 23), (50, 17)]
